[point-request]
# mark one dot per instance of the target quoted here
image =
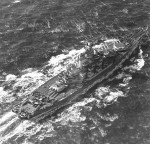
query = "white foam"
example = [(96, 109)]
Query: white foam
[(64, 60), (27, 128), (11, 77), (5, 96), (6, 116), (27, 142), (5, 126), (28, 70), (112, 97), (17, 1), (28, 82), (138, 63), (106, 96), (2, 92), (99, 92), (47, 130), (19, 130), (73, 113), (108, 117)]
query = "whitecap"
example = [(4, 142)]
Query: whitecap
[(17, 1), (10, 77)]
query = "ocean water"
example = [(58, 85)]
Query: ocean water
[(39, 37)]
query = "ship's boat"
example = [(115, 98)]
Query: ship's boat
[(69, 86)]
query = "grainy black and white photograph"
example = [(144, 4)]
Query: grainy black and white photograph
[(74, 71)]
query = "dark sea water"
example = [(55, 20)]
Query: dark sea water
[(36, 36)]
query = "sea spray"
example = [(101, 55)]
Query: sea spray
[(73, 113), (138, 63)]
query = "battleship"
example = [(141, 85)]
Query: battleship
[(71, 85)]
